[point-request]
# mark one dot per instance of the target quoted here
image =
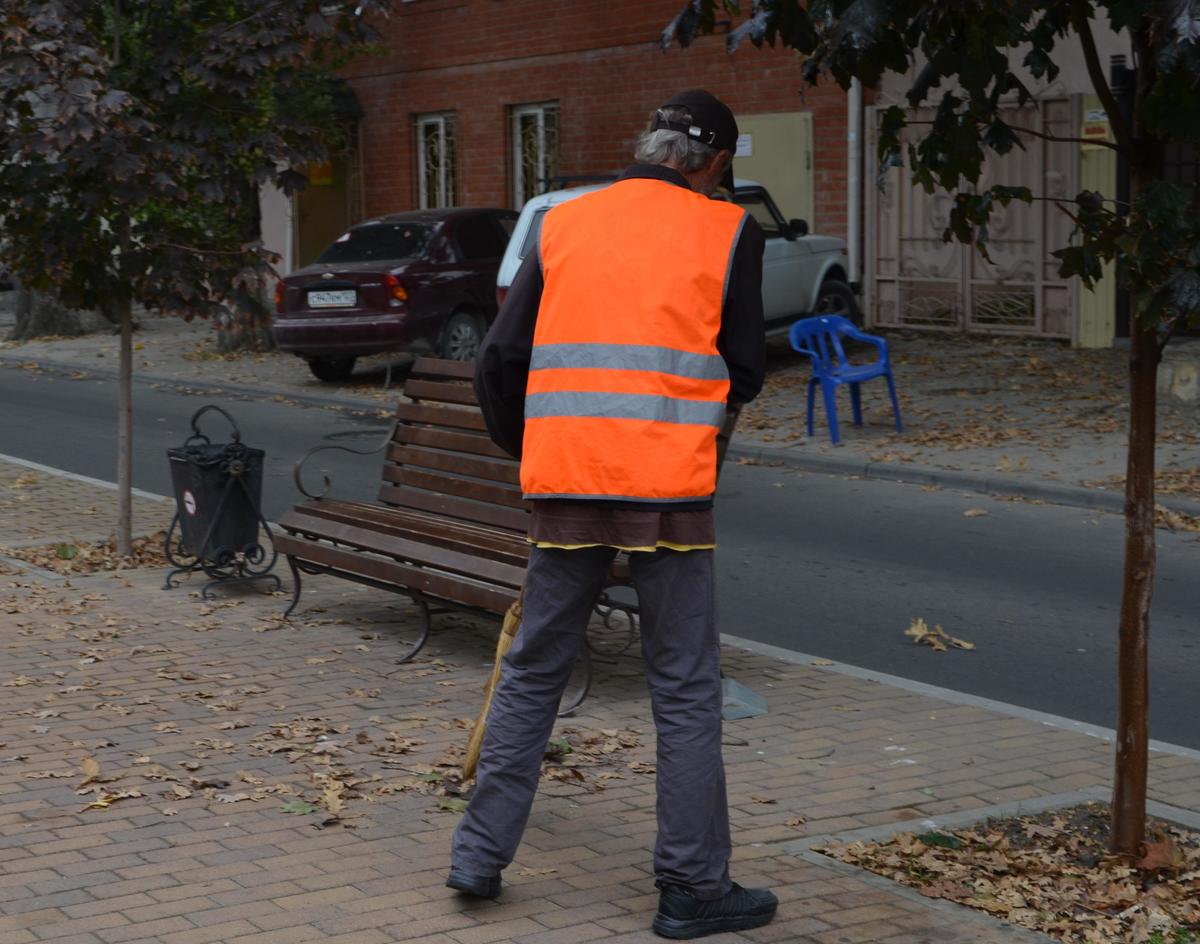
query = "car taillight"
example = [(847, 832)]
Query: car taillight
[(395, 289), (279, 292), (501, 294)]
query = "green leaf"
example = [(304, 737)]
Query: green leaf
[(941, 840), (452, 804), (298, 807), (66, 551), (431, 776), (558, 747)]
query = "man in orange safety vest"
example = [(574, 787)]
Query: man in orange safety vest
[(623, 340)]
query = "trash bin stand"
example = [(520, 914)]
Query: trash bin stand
[(218, 512)]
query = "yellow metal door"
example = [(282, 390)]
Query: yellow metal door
[(776, 151)]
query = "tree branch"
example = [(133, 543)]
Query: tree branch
[(1079, 17), (197, 249), (1173, 329), (1053, 137), (1047, 137)]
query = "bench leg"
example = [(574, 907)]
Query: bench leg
[(426, 626), (295, 586), (812, 388)]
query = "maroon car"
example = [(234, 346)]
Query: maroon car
[(423, 281)]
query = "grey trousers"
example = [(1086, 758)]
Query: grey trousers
[(677, 602)]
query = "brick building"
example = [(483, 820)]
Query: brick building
[(481, 102)]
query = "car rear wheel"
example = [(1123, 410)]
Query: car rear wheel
[(330, 369), (462, 336), (837, 298)]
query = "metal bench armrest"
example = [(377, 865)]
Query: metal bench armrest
[(298, 470)]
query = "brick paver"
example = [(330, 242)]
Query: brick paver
[(214, 716)]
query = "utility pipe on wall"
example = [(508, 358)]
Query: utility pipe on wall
[(854, 112)]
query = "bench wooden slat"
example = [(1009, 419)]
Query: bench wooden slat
[(440, 367), (506, 546), (449, 440), (515, 519), (434, 391), (407, 550), (507, 473), (439, 484), (440, 416), (351, 563)]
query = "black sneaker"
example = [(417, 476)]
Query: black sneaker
[(680, 915), (481, 886)]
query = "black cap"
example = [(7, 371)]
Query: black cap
[(710, 122)]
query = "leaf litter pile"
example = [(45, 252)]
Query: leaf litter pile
[(1051, 872), (85, 558)]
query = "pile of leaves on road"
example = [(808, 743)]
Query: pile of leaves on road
[(70, 558), (1051, 872)]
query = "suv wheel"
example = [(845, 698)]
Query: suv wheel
[(461, 337), (837, 298), (331, 369)]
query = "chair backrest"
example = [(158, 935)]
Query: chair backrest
[(441, 459), (821, 337)]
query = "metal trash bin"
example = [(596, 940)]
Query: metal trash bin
[(218, 495)]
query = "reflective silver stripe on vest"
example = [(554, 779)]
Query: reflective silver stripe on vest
[(625, 406), (664, 360)]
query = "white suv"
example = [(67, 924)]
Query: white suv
[(802, 274)]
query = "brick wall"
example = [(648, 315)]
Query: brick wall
[(599, 60)]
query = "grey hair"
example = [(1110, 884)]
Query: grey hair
[(664, 146)]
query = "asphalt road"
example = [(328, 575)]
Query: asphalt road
[(825, 565)]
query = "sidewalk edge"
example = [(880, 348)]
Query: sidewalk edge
[(254, 390), (1052, 492), (84, 479), (946, 694)]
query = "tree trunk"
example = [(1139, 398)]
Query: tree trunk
[(245, 324), (1133, 690), (42, 316), (125, 431)]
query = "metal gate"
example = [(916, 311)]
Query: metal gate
[(917, 280)]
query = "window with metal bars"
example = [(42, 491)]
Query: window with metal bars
[(437, 168), (535, 149)]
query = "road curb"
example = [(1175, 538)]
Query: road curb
[(266, 391), (1052, 492)]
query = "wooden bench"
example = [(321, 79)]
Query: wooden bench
[(449, 527)]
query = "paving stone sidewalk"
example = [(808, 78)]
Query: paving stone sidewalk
[(39, 507), (224, 740), (1005, 414)]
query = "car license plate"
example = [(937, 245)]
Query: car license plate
[(336, 298)]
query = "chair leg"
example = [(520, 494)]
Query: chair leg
[(812, 384), (895, 402), (856, 402), (829, 392)]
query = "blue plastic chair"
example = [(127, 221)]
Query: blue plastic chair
[(821, 339)]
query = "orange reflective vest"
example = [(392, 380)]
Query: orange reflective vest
[(626, 388)]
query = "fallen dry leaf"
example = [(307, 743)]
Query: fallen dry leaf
[(1161, 854), (91, 771), (937, 638)]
